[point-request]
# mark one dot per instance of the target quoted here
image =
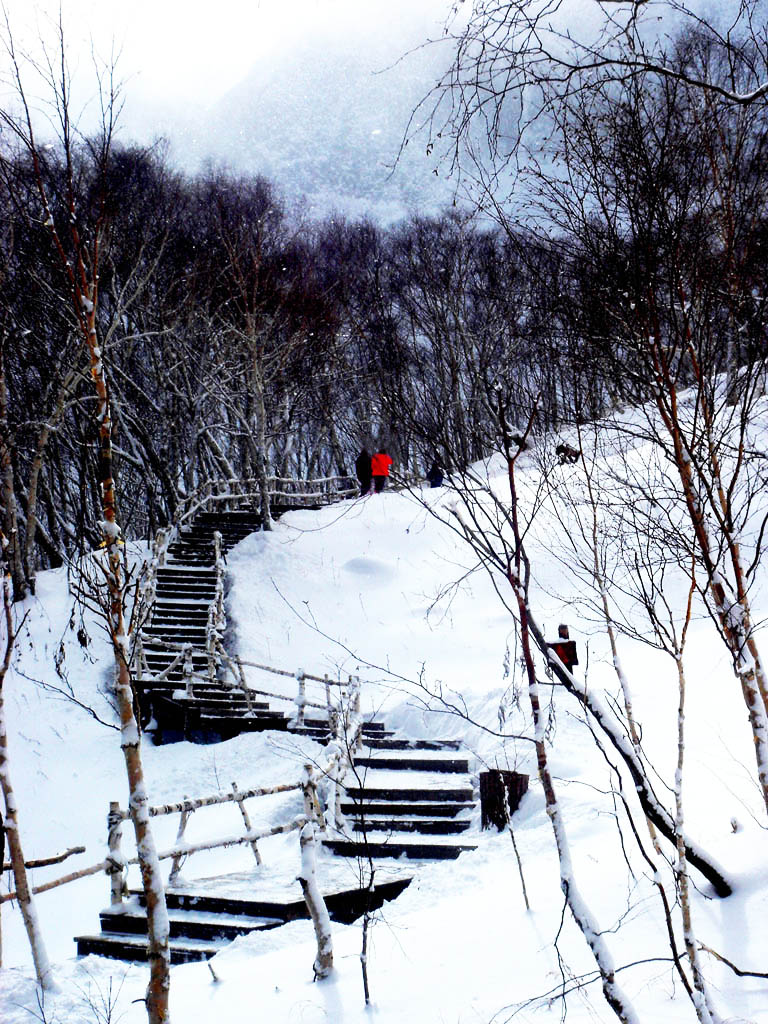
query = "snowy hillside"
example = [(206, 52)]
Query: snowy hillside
[(384, 588)]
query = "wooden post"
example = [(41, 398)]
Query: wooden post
[(338, 774), (309, 789), (210, 644), (115, 859), (357, 739), (564, 647), (217, 551), (301, 698), (328, 705), (500, 796), (247, 823), (188, 670), (176, 862)]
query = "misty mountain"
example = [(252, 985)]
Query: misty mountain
[(326, 121)]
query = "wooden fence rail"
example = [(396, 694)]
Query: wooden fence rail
[(347, 739), (215, 798)]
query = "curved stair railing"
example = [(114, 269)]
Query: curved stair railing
[(214, 492), (209, 496)]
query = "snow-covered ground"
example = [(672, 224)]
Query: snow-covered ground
[(381, 588)]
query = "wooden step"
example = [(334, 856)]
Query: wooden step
[(201, 560), (427, 810), (182, 574), (194, 587), (224, 705), (423, 826), (214, 690), (187, 635), (389, 848), (420, 764), (394, 743), (191, 573), (163, 603), (438, 795), (133, 948), (255, 721), (211, 904), (344, 905), (158, 654), (164, 616), (204, 534), (131, 918), (236, 516)]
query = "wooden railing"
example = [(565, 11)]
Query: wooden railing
[(322, 811), (347, 736), (213, 494)]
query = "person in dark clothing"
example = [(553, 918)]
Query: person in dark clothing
[(435, 474), (363, 471), (380, 464)]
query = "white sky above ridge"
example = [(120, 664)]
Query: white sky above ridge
[(193, 51)]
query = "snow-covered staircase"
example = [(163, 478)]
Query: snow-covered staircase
[(185, 588), (408, 798), (205, 916), (405, 798)]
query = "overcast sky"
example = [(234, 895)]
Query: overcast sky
[(190, 52)]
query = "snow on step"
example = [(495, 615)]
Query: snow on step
[(274, 883), (383, 778), (405, 760), (122, 946), (385, 846), (405, 839), (184, 917)]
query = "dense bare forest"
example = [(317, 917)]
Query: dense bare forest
[(240, 339)]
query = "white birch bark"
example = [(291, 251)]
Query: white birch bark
[(323, 965), (13, 837), (700, 995)]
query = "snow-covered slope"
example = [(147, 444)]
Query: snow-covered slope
[(381, 588)]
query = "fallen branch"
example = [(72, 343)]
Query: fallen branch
[(736, 970)]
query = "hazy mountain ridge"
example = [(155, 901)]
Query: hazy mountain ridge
[(327, 124)]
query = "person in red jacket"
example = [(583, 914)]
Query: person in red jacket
[(380, 464)]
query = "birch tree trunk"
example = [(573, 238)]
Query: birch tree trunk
[(158, 952), (734, 614), (8, 491), (517, 575), (24, 895), (323, 965), (700, 996), (80, 262)]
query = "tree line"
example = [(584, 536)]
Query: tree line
[(241, 339)]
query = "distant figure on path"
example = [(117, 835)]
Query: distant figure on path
[(380, 464), (363, 471), (435, 474), (565, 453)]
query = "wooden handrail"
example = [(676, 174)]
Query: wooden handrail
[(192, 804)]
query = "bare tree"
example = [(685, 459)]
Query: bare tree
[(517, 61), (78, 249), (11, 822), (641, 189)]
